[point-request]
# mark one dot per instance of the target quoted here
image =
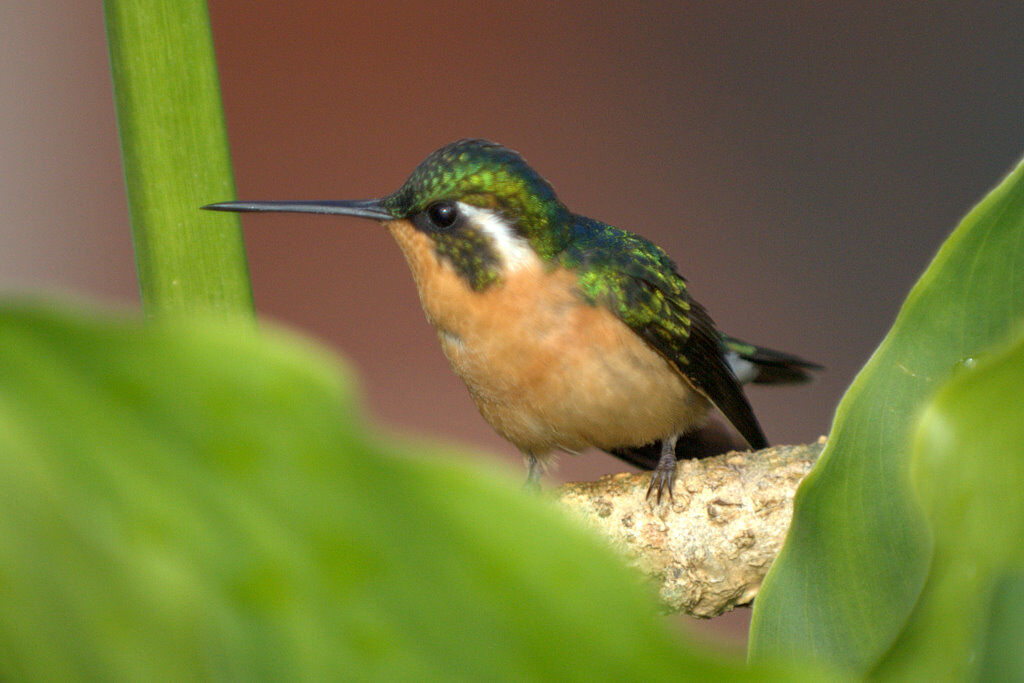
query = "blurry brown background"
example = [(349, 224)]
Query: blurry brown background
[(801, 164)]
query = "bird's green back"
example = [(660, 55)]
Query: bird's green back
[(640, 284)]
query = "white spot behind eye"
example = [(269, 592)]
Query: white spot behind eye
[(512, 249)]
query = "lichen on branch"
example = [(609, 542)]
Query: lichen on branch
[(711, 545)]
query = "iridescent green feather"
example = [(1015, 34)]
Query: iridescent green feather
[(638, 282), (489, 176), (472, 255), (632, 277)]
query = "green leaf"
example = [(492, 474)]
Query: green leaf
[(1002, 657), (857, 552), (196, 500), (175, 152), (968, 470)]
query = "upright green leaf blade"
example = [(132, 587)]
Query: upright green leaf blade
[(1001, 656), (185, 501), (857, 552), (968, 469), (175, 152)]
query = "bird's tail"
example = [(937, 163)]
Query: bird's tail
[(754, 364)]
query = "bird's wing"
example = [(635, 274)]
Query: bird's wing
[(638, 282)]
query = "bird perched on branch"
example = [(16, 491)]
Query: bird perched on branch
[(568, 332)]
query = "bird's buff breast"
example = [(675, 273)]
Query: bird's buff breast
[(546, 369)]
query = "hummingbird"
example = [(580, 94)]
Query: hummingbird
[(569, 332)]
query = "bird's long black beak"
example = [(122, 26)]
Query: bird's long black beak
[(363, 208)]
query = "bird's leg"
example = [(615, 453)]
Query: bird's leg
[(664, 473), (533, 473)]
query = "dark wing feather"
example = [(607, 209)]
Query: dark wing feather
[(637, 281), (711, 374)]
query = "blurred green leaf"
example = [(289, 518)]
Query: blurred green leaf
[(1002, 657), (196, 500), (857, 552), (968, 469)]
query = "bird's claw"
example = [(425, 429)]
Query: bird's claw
[(661, 483), (664, 473)]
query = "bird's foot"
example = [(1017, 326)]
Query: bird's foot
[(532, 487), (664, 474), (533, 472), (661, 483)]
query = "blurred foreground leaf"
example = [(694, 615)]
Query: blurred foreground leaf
[(197, 500), (858, 549), (1002, 657), (968, 469)]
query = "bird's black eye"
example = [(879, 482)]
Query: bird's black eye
[(442, 214)]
